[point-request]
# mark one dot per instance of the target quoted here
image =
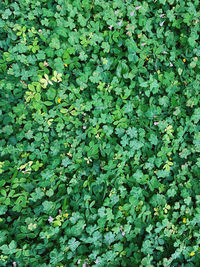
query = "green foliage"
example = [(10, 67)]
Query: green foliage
[(100, 135)]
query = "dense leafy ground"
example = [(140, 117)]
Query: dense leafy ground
[(100, 134)]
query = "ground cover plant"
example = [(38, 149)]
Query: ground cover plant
[(100, 134)]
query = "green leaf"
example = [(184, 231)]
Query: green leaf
[(47, 206), (51, 93), (55, 43), (66, 161), (122, 69), (73, 244)]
